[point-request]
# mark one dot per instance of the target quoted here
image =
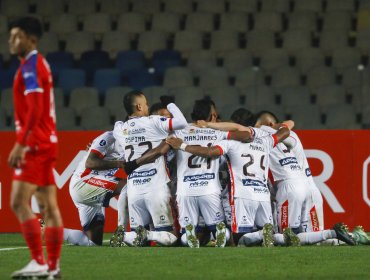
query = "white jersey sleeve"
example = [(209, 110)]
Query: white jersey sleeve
[(163, 124), (260, 132)]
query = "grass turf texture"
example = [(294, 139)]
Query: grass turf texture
[(308, 262)]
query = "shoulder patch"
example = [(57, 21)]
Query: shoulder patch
[(163, 119), (102, 143)]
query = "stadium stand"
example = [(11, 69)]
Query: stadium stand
[(290, 54)]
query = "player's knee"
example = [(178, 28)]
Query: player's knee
[(17, 204)]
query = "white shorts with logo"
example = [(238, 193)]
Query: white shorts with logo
[(314, 220), (90, 194), (152, 207), (249, 214), (192, 207), (291, 199)]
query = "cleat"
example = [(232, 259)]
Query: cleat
[(360, 236), (33, 270), (54, 274), (342, 234), (291, 239), (220, 235), (267, 234), (117, 238), (141, 237), (192, 239)]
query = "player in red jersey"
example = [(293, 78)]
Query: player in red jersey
[(34, 153)]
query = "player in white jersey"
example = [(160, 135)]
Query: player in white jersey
[(198, 186), (292, 192), (248, 163), (148, 193), (92, 186), (94, 182)]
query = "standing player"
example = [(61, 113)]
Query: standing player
[(148, 193), (34, 153)]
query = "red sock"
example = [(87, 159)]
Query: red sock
[(53, 241), (32, 234)]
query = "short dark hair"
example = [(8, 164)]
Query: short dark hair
[(243, 116), (129, 99), (265, 112), (201, 109), (30, 25), (156, 107), (167, 99)]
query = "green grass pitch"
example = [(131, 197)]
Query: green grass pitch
[(308, 262)]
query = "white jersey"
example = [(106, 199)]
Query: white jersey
[(249, 163), (138, 136), (105, 146), (198, 175), (283, 162), (298, 150)]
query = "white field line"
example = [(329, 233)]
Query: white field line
[(25, 247)]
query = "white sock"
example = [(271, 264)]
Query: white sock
[(162, 237), (253, 238), (129, 237), (122, 209), (279, 239), (227, 235), (184, 241), (315, 237), (77, 237)]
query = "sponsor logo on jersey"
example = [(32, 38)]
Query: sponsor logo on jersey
[(27, 75), (288, 160), (125, 132), (102, 143), (132, 124), (141, 174), (284, 215), (193, 178), (258, 141), (251, 182), (314, 219), (308, 172), (137, 130), (141, 181), (198, 184)]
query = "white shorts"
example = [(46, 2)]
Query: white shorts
[(152, 207), (249, 214), (192, 207), (90, 198), (314, 220), (291, 198)]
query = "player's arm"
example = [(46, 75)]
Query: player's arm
[(148, 157), (241, 136), (224, 126), (96, 161), (178, 121), (153, 154), (281, 134), (178, 144), (287, 123)]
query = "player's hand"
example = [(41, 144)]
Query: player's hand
[(202, 124), (16, 156), (174, 142)]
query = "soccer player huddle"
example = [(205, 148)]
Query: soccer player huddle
[(192, 184), (203, 183)]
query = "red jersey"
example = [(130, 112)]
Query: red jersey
[(34, 102)]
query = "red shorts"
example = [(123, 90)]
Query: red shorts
[(38, 166)]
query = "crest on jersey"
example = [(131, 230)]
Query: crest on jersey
[(125, 132), (192, 130)]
